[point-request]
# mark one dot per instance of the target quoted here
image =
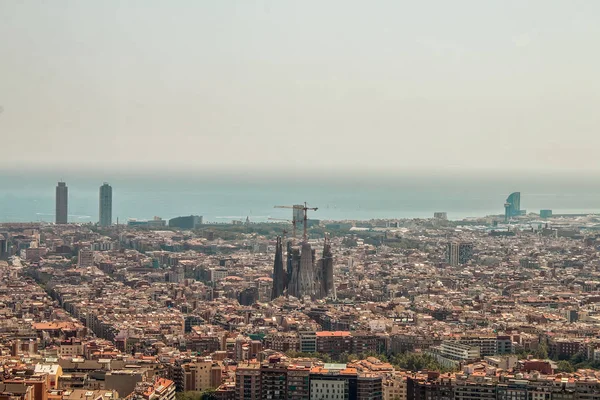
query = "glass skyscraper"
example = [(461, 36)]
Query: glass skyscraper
[(512, 207), (62, 203), (105, 205)]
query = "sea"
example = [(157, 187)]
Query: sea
[(29, 196)]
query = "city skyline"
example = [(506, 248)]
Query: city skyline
[(516, 305), (315, 200), (141, 199)]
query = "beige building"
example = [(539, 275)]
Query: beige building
[(70, 348), (394, 387), (202, 375), (86, 258), (54, 372)]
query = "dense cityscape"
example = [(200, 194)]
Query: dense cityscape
[(299, 200), (503, 307)]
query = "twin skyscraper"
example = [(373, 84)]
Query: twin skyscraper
[(105, 205), (62, 204)]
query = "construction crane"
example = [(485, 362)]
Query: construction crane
[(284, 230), (305, 209), (293, 221)]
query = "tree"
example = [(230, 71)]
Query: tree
[(189, 396), (416, 362), (326, 358), (542, 351), (578, 358), (346, 357), (564, 366), (208, 394)]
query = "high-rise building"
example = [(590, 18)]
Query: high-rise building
[(105, 205), (512, 207), (247, 381), (458, 253), (298, 384), (273, 379), (201, 374), (86, 258), (62, 199), (298, 216), (452, 253), (3, 245)]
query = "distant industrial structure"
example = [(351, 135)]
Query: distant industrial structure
[(188, 222), (512, 206), (62, 203), (303, 275), (105, 205), (156, 222), (299, 218), (458, 253)]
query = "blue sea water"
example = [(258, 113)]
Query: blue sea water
[(221, 198)]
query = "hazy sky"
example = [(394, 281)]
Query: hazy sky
[(300, 84)]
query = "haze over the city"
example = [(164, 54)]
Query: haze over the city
[(231, 84), (299, 200)]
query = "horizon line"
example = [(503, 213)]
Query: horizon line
[(135, 170)]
